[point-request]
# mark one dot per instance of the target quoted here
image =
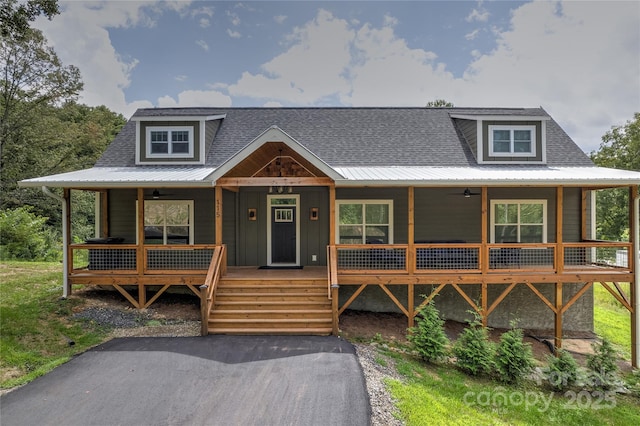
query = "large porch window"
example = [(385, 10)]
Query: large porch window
[(365, 222), (518, 221), (168, 222)]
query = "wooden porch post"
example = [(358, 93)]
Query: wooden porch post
[(559, 260), (558, 318), (484, 255), (104, 214), (142, 294), (332, 214), (634, 234), (218, 214), (411, 258), (66, 240)]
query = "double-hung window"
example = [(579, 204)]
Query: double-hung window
[(365, 222), (170, 142), (512, 141), (518, 221), (168, 222)]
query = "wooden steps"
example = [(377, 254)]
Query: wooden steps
[(271, 306)]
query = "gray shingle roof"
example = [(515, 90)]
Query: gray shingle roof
[(352, 137)]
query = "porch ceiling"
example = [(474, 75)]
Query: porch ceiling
[(275, 159)]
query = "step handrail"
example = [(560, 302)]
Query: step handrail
[(208, 289), (332, 268)]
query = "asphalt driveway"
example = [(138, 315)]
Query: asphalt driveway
[(213, 380)]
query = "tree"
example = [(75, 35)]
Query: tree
[(34, 82), (15, 17), (439, 103), (620, 149)]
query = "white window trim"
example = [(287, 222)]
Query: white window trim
[(387, 202), (191, 225), (170, 130), (545, 218), (511, 128)]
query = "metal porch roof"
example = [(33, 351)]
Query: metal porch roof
[(110, 177)]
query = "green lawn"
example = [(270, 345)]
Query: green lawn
[(611, 319), (442, 395), (35, 324)]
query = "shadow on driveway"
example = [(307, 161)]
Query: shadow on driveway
[(212, 380)]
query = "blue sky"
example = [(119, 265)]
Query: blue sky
[(580, 60)]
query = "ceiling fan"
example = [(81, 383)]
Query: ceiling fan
[(467, 193), (156, 194)]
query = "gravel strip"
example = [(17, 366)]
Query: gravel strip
[(382, 405)]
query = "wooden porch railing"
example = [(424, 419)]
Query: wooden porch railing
[(217, 268), (471, 258)]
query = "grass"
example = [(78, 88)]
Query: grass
[(612, 320), (36, 327), (442, 395)]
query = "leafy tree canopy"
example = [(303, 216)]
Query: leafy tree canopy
[(620, 147), (439, 103), (15, 16)]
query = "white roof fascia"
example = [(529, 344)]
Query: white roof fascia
[(179, 117), (125, 177), (461, 176), (274, 134), (506, 117)]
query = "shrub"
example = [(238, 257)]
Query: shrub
[(473, 351), (24, 236), (428, 336), (602, 365), (562, 371), (513, 357)]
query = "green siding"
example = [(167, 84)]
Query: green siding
[(443, 214)]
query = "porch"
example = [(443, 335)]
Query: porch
[(249, 300)]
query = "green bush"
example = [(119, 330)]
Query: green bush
[(562, 370), (24, 236), (513, 357), (603, 374), (473, 351), (428, 336)]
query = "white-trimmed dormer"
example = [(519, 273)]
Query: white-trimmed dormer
[(505, 139), (173, 140)]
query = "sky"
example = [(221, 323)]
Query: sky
[(579, 60)]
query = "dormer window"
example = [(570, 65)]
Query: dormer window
[(512, 141), (170, 142)]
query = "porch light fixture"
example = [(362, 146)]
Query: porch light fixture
[(467, 193), (251, 213), (155, 194)]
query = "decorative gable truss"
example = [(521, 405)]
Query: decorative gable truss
[(179, 140), (505, 139)]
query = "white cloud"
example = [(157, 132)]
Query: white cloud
[(196, 98), (181, 78), (280, 19), (233, 18), (581, 65), (311, 69), (233, 34), (204, 23), (105, 73), (472, 35), (203, 44), (478, 15)]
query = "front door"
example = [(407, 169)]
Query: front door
[(283, 245)]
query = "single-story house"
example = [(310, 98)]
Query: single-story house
[(282, 218)]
